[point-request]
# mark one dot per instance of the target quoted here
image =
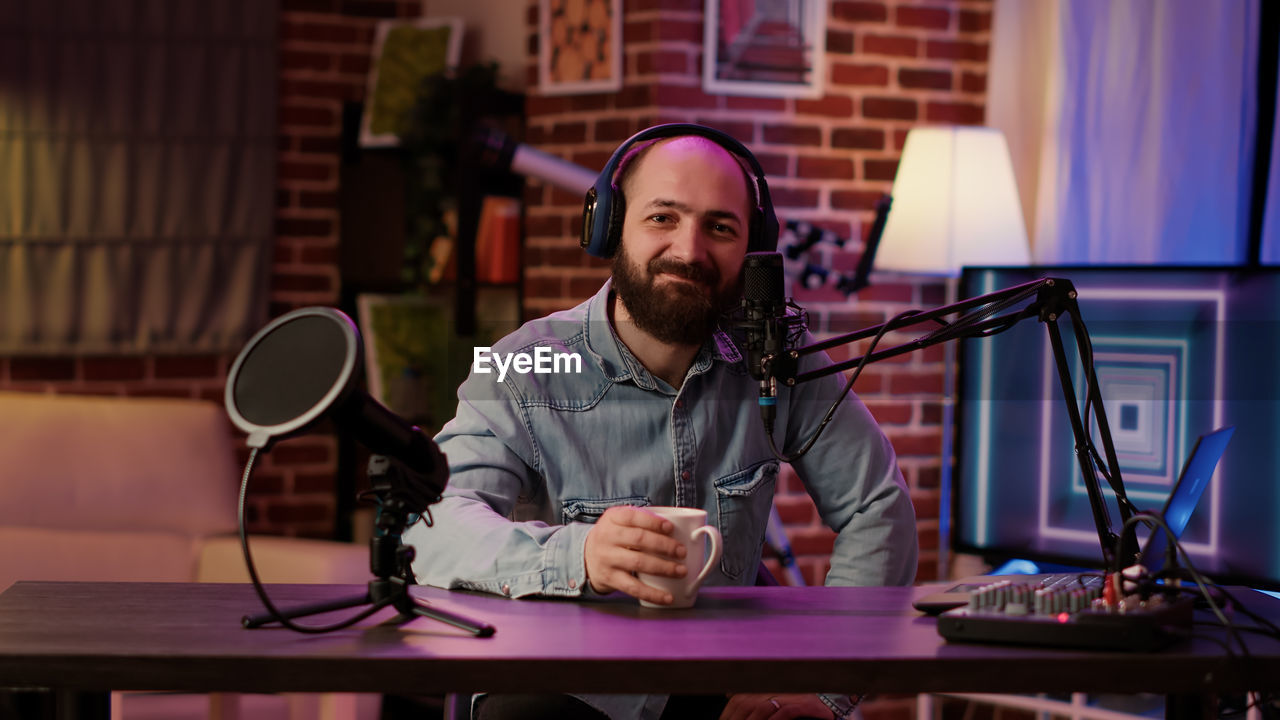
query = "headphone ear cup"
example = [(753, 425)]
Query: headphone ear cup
[(617, 213), (595, 222)]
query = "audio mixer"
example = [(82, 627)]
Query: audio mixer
[(1072, 616)]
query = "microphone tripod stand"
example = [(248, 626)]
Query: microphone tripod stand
[(397, 489)]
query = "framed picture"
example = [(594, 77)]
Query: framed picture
[(405, 52), (414, 360), (580, 46), (771, 48)]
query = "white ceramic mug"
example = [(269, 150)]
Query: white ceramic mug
[(690, 528)]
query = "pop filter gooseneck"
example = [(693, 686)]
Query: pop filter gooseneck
[(305, 366)]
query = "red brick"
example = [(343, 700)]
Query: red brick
[(638, 31), (684, 96), (831, 106), (910, 445), (812, 541), (929, 18), (370, 8), (890, 413), (744, 131), (926, 503), (793, 135), (787, 197), (931, 413), (859, 11), (860, 75), (873, 169), (28, 369), (955, 113), (323, 200), (614, 131), (854, 199), (887, 292), (306, 227), (312, 255), (858, 138), (895, 45), (839, 43), (973, 82), (916, 79), (295, 513), (689, 31), (976, 21), (306, 116), (929, 477), (956, 50), (354, 64), (301, 282), (325, 90), (168, 367), (663, 61), (292, 29), (329, 145), (114, 368), (908, 383), (305, 60), (592, 103), (829, 168), (888, 108), (761, 104), (313, 483)]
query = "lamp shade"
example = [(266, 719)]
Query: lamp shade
[(955, 203)]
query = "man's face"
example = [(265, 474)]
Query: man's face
[(684, 236)]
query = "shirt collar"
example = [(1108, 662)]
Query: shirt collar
[(617, 362)]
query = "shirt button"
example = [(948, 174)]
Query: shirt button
[(506, 589), (679, 403), (573, 583), (684, 475)]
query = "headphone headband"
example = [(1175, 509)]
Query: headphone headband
[(605, 205)]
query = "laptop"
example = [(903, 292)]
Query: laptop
[(1176, 513)]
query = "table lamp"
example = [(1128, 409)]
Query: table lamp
[(955, 203)]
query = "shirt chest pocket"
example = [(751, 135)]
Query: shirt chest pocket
[(589, 510), (743, 501)]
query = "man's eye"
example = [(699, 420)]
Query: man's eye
[(660, 219)]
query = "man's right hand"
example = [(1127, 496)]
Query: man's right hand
[(628, 540)]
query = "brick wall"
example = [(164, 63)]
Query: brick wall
[(324, 61), (890, 65)]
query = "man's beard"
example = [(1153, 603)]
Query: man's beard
[(679, 313)]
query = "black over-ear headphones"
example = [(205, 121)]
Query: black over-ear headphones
[(605, 207)]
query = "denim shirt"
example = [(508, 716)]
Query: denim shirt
[(535, 458)]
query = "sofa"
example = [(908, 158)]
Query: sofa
[(97, 488)]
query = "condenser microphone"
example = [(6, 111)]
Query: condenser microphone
[(307, 365), (765, 307)]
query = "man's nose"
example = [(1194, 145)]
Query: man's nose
[(691, 244)]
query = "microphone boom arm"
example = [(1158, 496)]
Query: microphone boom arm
[(990, 314)]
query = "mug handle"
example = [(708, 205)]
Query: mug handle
[(717, 547)]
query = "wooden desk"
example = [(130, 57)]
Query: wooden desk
[(138, 636)]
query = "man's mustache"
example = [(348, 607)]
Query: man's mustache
[(697, 273)]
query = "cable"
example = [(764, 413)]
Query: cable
[(853, 377), (253, 572)]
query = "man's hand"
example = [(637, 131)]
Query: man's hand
[(745, 706), (627, 540)]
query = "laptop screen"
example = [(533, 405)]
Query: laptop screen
[(1186, 495)]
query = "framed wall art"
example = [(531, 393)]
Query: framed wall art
[(770, 48), (580, 46), (405, 52)]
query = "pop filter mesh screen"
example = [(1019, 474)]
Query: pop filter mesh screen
[(290, 370)]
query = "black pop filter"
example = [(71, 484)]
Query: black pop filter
[(305, 365)]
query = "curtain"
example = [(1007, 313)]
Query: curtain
[(1131, 124), (137, 174)]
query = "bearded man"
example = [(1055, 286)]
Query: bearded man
[(550, 473)]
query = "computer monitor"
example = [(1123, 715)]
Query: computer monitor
[(1178, 351)]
